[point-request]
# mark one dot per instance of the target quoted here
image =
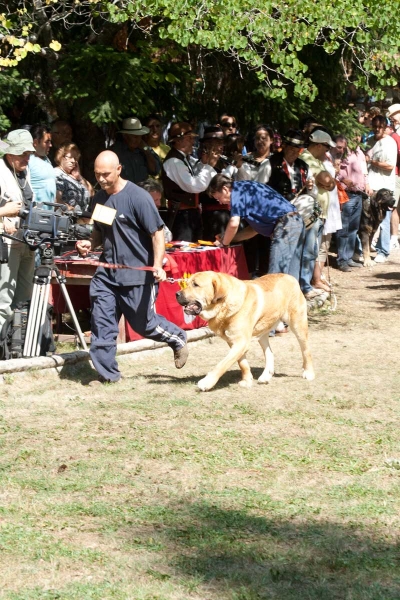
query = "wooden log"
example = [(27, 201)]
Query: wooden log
[(38, 363)]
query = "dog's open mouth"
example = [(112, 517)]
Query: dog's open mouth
[(193, 308)]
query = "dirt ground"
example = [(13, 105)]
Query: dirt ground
[(152, 489), (360, 334)]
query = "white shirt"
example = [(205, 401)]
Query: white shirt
[(194, 178), (251, 172), (333, 220), (384, 150), (291, 172)]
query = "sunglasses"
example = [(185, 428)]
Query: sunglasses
[(228, 124)]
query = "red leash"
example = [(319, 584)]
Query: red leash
[(97, 263)]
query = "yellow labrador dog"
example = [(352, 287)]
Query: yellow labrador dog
[(239, 310)]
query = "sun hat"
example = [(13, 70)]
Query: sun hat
[(321, 137), (18, 142), (178, 130), (133, 126), (294, 137), (393, 110)]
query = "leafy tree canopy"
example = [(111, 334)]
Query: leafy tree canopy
[(267, 36), (305, 50)]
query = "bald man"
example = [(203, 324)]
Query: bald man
[(131, 233)]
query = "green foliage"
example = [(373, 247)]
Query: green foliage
[(270, 38), (191, 59), (266, 37), (109, 84), (11, 86)]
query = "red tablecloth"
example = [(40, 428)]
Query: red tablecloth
[(223, 260)]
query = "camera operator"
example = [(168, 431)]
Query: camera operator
[(16, 276)]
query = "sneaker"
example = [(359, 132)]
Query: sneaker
[(380, 258), (181, 356), (344, 267), (282, 331), (394, 243), (280, 327), (313, 294), (353, 263), (358, 258)]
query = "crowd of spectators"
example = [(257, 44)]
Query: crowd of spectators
[(222, 186)]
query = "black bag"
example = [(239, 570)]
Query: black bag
[(12, 336)]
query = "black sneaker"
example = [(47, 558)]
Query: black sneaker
[(353, 263), (344, 267)]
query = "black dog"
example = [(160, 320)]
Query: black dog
[(373, 212)]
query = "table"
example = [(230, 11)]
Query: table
[(79, 273)]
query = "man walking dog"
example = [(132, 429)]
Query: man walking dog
[(131, 232)]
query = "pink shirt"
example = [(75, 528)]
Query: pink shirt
[(354, 167)]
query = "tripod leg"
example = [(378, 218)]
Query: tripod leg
[(42, 317), (72, 313), (33, 311), (38, 322)]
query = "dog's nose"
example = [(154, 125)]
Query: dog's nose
[(178, 294)]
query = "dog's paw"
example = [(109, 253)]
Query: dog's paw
[(368, 262), (308, 374), (246, 383), (206, 383), (265, 377)]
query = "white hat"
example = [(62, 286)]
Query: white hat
[(321, 137), (392, 110), (133, 126), (19, 141)]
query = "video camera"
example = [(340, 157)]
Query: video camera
[(56, 226)]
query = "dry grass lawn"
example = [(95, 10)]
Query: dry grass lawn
[(151, 490)]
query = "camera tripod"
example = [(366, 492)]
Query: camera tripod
[(40, 297)]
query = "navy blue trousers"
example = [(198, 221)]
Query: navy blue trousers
[(136, 303)]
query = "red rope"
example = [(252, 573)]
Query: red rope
[(112, 266)]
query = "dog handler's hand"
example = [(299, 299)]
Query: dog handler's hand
[(160, 275), (218, 241), (83, 247)]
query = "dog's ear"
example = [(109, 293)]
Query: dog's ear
[(219, 292)]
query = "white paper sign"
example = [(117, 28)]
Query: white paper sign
[(104, 214)]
